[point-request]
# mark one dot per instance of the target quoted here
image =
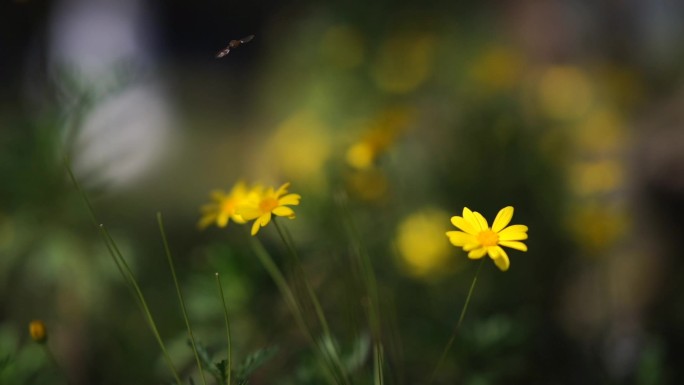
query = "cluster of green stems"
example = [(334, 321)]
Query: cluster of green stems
[(325, 348)]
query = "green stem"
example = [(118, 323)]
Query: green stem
[(287, 240), (300, 270), (91, 211), (130, 278), (378, 363), (167, 250), (365, 265), (290, 299), (458, 324), (126, 272), (55, 363), (225, 316)]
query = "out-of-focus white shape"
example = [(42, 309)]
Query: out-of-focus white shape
[(122, 137), (104, 45)]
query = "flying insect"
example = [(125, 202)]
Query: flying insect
[(234, 44)]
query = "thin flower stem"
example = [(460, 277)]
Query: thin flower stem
[(458, 324), (291, 301), (167, 251), (130, 278), (365, 265), (287, 240), (91, 211), (225, 316), (126, 272), (378, 363), (55, 363)]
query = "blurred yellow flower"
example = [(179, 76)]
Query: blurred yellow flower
[(596, 177), (404, 62), (361, 155), (224, 206), (302, 160), (598, 227), (478, 239), (603, 130), (419, 243), (38, 331), (565, 92), (369, 184), (498, 68), (261, 205), (380, 132)]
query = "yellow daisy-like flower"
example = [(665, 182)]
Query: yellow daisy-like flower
[(478, 239), (224, 207), (261, 205)]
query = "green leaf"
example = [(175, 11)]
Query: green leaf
[(205, 357), (359, 353), (253, 362), (222, 368), (4, 362)]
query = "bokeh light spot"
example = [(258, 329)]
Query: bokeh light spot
[(422, 245), (404, 62), (565, 93), (342, 46)]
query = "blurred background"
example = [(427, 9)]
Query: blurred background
[(571, 111)]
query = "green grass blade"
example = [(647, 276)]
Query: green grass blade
[(167, 251), (126, 272), (225, 316)]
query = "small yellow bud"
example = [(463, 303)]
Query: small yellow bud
[(38, 331)]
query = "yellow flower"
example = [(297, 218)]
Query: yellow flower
[(418, 243), (262, 205), (38, 331), (224, 207), (478, 239)]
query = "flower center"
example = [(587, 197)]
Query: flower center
[(488, 238), (268, 204), (228, 206)]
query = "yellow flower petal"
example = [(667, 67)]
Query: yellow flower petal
[(206, 221), (217, 195), (513, 236), (503, 263), (248, 212), (471, 219), (502, 219), (471, 246), (264, 219), (514, 245), (481, 220), (290, 200), (282, 189), (209, 207), (513, 233), (501, 252), (477, 253), (222, 219), (459, 238), (464, 225), (240, 188), (255, 227), (284, 211), (493, 252)]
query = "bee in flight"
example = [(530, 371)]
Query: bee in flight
[(234, 44)]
